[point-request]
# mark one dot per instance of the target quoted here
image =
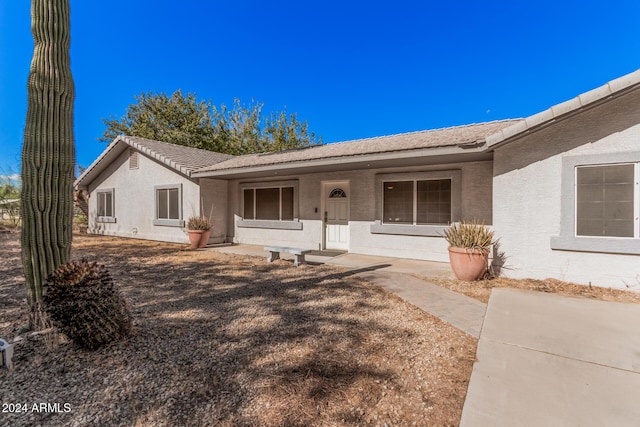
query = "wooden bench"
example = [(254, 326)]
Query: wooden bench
[(274, 253)]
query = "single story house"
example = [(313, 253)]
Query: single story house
[(560, 188)]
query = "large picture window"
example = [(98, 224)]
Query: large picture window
[(106, 211), (417, 202), (269, 203), (168, 205)]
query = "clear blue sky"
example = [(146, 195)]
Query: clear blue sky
[(352, 69)]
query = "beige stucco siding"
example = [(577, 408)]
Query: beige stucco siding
[(527, 195), (214, 195), (134, 199), (364, 203)]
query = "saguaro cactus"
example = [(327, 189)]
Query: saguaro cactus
[(48, 154)]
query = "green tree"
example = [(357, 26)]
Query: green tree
[(287, 132), (48, 155), (177, 119), (184, 120)]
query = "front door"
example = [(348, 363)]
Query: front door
[(336, 215)]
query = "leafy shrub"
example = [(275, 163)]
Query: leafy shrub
[(470, 235), (83, 303)]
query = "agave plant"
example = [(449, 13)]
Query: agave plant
[(199, 223), (470, 235)]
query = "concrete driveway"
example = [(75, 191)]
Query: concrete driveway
[(550, 360)]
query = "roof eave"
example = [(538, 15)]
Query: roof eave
[(107, 156), (460, 150)]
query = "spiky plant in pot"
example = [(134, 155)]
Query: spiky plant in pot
[(83, 303), (470, 243)]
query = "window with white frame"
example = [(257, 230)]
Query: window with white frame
[(105, 211), (268, 203), (419, 202), (607, 200), (168, 205)]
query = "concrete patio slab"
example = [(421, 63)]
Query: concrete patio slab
[(545, 359)]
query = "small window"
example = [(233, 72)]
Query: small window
[(337, 193), (605, 200), (105, 205), (169, 206), (133, 159)]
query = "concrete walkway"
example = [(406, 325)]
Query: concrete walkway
[(550, 360)]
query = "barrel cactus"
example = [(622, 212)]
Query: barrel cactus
[(84, 304)]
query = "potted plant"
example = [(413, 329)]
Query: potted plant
[(199, 229), (469, 245)]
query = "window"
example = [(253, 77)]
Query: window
[(169, 205), (105, 205), (270, 205), (417, 202), (605, 200), (600, 204), (274, 203)]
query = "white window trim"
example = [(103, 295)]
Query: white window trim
[(163, 221), (427, 230), (567, 240), (104, 218), (281, 224)]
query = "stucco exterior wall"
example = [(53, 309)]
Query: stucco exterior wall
[(213, 195), (527, 195), (134, 199), (365, 202)]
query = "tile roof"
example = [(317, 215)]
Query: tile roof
[(451, 136), (185, 159)]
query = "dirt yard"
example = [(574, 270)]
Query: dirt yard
[(223, 340)]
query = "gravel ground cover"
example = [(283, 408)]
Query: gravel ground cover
[(224, 340)]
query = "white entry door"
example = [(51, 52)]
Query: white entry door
[(336, 215)]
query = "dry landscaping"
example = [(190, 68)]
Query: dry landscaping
[(225, 340), (481, 289)]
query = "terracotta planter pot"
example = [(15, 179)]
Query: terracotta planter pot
[(194, 238), (204, 239), (468, 264)]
